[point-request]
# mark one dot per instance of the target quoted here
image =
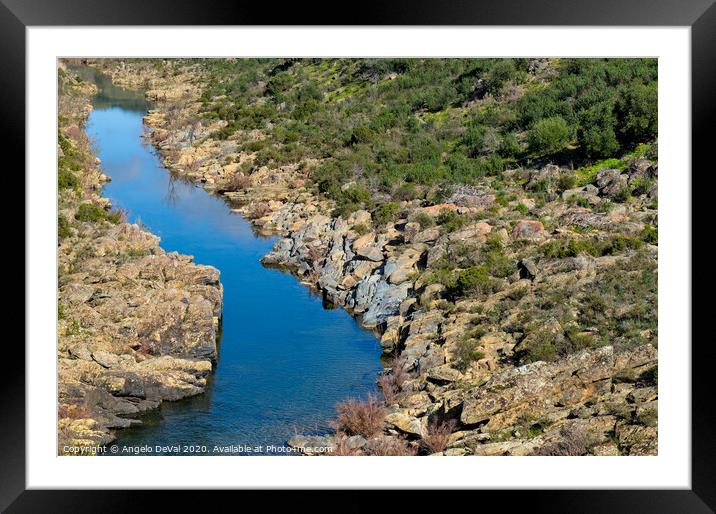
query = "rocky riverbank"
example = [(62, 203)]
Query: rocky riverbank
[(136, 325), (555, 356)]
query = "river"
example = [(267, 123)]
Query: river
[(284, 359)]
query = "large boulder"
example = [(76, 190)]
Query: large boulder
[(407, 424), (399, 269), (473, 198), (529, 229), (611, 182)]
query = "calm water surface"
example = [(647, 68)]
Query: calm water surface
[(284, 360)]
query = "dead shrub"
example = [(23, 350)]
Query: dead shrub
[(192, 164), (239, 182), (575, 442), (360, 417), (74, 133), (387, 387), (437, 436), (398, 372), (259, 210), (389, 446), (391, 383)]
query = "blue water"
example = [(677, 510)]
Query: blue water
[(284, 359)]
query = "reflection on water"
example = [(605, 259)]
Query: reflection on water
[(284, 360), (109, 95)]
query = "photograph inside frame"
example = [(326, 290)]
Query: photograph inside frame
[(357, 257)]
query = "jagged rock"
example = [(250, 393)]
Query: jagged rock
[(424, 236), (528, 269), (398, 270), (105, 358), (589, 192), (377, 299), (430, 293), (443, 374), (610, 182), (406, 424), (410, 230), (544, 178), (538, 387)]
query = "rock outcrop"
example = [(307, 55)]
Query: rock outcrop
[(137, 326)]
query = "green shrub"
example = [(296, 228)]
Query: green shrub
[(352, 199), (424, 220), (63, 227), (94, 213), (465, 352), (360, 229), (67, 179), (566, 181), (472, 281), (541, 347), (562, 248), (548, 136), (386, 213), (406, 192), (450, 220)]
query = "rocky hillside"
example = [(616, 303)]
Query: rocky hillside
[(136, 325), (511, 269)]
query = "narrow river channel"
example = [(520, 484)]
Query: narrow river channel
[(284, 359)]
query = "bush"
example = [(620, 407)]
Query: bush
[(437, 436), (548, 136), (466, 352), (566, 181), (424, 220), (63, 227), (449, 220), (473, 281), (541, 347), (637, 112), (562, 248), (239, 182), (66, 179), (406, 192), (363, 418), (386, 213), (94, 213), (360, 229), (352, 199)]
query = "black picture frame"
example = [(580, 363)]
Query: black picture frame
[(700, 15)]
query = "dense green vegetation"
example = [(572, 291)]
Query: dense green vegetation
[(405, 128)]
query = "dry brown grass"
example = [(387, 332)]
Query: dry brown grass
[(437, 436), (360, 417), (73, 411)]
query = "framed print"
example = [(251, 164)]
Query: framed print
[(428, 250)]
